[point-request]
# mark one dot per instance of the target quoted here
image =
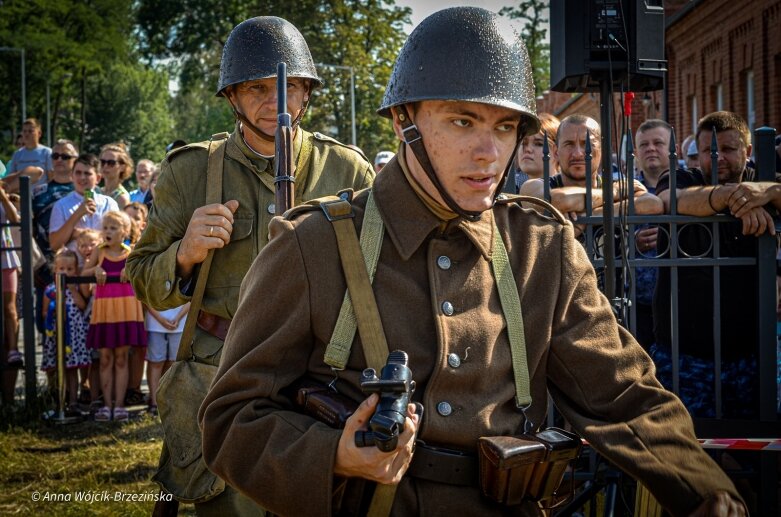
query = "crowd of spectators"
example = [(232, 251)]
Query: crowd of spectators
[(73, 194), (85, 222)]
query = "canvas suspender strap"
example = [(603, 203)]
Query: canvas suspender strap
[(338, 351), (359, 276), (511, 307), (357, 266), (213, 195)]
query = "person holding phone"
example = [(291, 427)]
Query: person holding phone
[(81, 209)]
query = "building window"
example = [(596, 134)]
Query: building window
[(695, 113), (719, 97), (750, 115)]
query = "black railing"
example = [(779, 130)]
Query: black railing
[(26, 285), (674, 257)]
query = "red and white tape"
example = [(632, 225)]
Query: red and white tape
[(751, 444)]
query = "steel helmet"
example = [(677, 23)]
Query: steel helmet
[(256, 46), (468, 54)]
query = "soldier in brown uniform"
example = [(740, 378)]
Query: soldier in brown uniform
[(439, 301), (182, 228)]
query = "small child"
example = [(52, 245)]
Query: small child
[(117, 317), (165, 331), (86, 243), (138, 214), (76, 326)]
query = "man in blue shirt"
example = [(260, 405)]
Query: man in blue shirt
[(33, 160)]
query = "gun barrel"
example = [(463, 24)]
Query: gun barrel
[(283, 148)]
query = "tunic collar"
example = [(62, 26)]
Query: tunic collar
[(239, 150), (409, 222)]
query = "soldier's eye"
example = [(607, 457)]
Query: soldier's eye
[(461, 122)]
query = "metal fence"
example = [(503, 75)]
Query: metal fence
[(26, 286), (627, 258)]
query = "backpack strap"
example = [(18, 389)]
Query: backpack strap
[(213, 195)]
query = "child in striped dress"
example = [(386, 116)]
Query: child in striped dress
[(117, 316)]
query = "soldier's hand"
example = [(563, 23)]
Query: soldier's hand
[(370, 462), (210, 227), (720, 504)]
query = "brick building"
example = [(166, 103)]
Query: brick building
[(721, 55)]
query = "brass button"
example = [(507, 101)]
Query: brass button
[(443, 262), (271, 208), (447, 308), (444, 408), (453, 360)]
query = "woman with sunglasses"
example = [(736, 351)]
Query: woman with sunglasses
[(115, 166)]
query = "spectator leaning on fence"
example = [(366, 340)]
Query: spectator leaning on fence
[(753, 203), (75, 212), (652, 143), (568, 189)]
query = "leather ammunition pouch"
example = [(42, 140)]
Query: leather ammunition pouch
[(528, 467), (324, 404)]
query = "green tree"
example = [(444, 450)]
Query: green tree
[(365, 35), (65, 42), (129, 102), (533, 12)]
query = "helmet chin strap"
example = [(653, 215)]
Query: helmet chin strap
[(259, 132), (414, 140)]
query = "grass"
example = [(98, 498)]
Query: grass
[(71, 460)]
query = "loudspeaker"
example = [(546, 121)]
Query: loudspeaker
[(592, 40)]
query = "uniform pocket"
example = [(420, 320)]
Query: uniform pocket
[(232, 262)]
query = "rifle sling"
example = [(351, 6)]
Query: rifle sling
[(213, 195)]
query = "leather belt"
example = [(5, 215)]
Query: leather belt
[(212, 324), (444, 466)]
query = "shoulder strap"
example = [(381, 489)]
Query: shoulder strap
[(213, 195), (359, 275), (359, 262), (511, 307)]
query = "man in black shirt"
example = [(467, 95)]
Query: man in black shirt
[(751, 202)]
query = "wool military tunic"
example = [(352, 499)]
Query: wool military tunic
[(323, 167), (438, 299)]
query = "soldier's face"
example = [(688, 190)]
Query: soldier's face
[(469, 145), (257, 100), (732, 155)]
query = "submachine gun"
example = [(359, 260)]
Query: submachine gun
[(395, 387)]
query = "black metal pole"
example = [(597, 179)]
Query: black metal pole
[(30, 385), (606, 114)]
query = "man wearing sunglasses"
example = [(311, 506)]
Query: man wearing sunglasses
[(182, 228)]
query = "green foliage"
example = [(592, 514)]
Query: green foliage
[(365, 35), (533, 13), (129, 102), (63, 39)]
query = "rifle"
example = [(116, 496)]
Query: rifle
[(284, 180)]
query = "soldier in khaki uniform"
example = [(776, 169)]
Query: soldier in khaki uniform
[(439, 300), (164, 265)]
